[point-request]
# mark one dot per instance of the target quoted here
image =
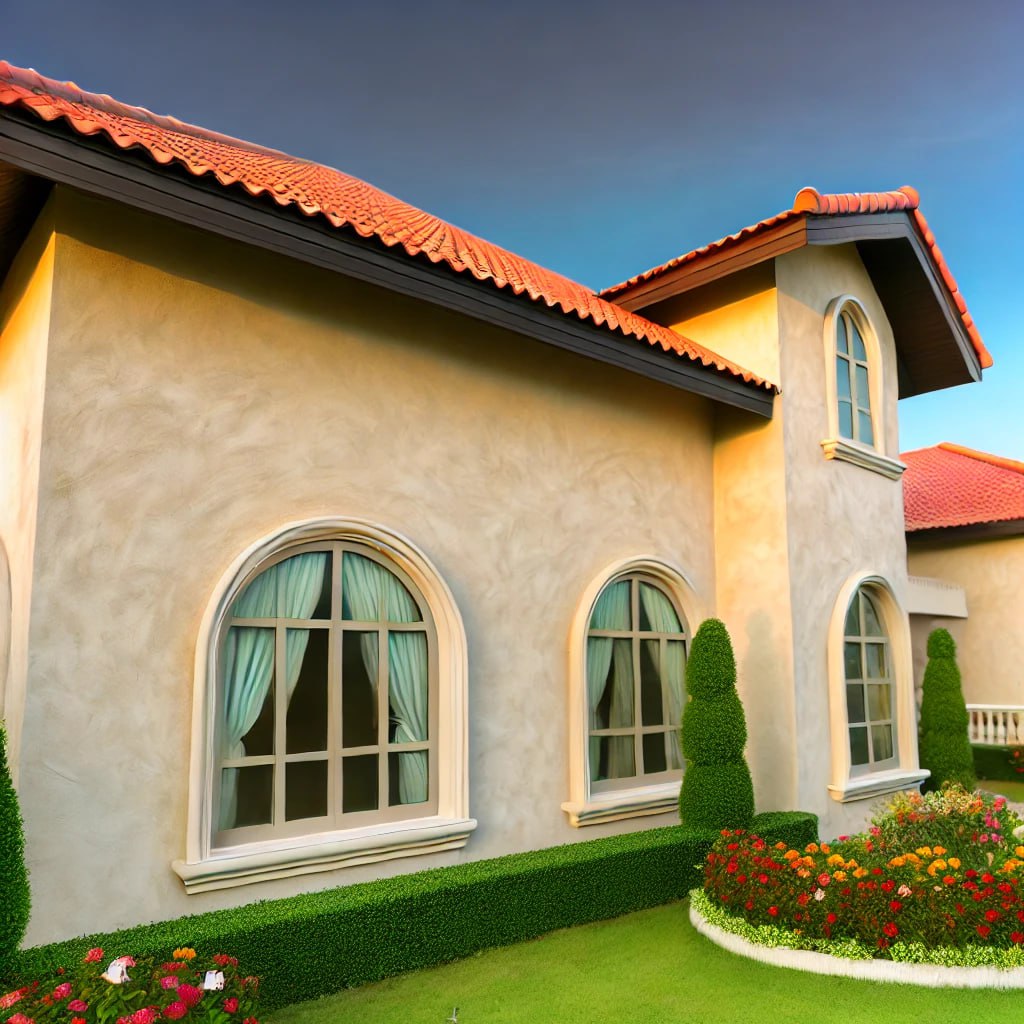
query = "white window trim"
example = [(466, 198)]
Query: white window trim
[(583, 807), (203, 867), (907, 773), (845, 449)]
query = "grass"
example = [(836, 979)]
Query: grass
[(1013, 791), (646, 968)]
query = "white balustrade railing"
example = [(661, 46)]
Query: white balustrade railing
[(996, 725)]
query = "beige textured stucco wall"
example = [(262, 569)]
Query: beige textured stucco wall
[(990, 641), (24, 329), (200, 394)]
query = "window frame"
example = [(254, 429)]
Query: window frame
[(639, 795), (447, 826)]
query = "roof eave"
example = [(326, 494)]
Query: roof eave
[(966, 532), (51, 152)]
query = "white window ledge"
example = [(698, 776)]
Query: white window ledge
[(864, 787), (861, 455), (259, 862), (624, 803)]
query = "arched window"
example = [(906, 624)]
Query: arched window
[(635, 661), (853, 392), (329, 717), (870, 696)]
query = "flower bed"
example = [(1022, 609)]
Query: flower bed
[(187, 988), (937, 879)]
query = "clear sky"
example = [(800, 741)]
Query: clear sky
[(603, 138)]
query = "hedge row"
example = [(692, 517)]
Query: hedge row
[(314, 944), (993, 764)]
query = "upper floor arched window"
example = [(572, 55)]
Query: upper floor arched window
[(853, 379)]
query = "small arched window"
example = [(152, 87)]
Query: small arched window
[(635, 662), (853, 392)]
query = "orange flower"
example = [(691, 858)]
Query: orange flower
[(184, 953)]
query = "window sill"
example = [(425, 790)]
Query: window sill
[(623, 803), (864, 787), (258, 862), (845, 450)]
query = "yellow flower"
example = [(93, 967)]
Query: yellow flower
[(924, 851), (834, 860), (804, 873), (790, 855), (825, 848), (780, 845), (897, 862), (938, 851), (954, 862), (1019, 851), (860, 872), (811, 848), (839, 876), (939, 865), (184, 953)]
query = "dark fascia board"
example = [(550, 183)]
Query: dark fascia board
[(941, 536), (836, 230), (89, 165)]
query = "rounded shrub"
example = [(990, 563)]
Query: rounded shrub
[(945, 748), (14, 892), (717, 790)]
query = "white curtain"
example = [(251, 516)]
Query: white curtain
[(610, 612), (373, 594), (663, 619), (289, 590)]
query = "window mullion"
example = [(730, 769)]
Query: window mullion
[(638, 747), (280, 716), (334, 638), (382, 719)]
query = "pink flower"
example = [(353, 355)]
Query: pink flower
[(176, 1010), (189, 995), (78, 1006), (824, 878), (144, 1015), (230, 1005), (20, 1018), (62, 991), (250, 1020), (93, 956), (7, 1001), (169, 982)]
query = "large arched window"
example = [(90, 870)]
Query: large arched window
[(329, 719)]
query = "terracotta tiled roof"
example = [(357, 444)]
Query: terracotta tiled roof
[(811, 203), (344, 201), (950, 485)]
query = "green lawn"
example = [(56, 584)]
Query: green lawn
[(646, 968), (1013, 791)]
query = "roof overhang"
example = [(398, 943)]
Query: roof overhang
[(933, 348), (944, 535), (36, 152)]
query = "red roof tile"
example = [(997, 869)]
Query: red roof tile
[(344, 201), (810, 202), (950, 485)]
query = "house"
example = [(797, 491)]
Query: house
[(340, 543), (965, 548)]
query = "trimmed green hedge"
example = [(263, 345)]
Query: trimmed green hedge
[(318, 943), (15, 899)]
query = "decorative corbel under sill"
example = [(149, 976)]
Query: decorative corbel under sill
[(623, 803), (864, 787), (860, 455)]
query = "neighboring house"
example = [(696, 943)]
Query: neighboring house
[(965, 537), (341, 543)]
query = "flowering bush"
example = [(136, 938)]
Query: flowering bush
[(933, 871), (1016, 760), (186, 988)]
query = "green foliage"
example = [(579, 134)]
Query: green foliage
[(994, 763), (795, 828), (316, 943), (945, 748), (717, 790), (14, 891)]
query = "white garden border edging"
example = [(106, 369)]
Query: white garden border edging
[(925, 975)]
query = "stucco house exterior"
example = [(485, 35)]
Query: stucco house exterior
[(336, 542)]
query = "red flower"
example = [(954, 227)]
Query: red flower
[(888, 885), (93, 956), (763, 879), (189, 995), (176, 1010), (774, 911), (741, 879), (876, 871), (970, 873), (890, 929), (895, 906), (824, 878), (230, 1005), (831, 918), (983, 930), (63, 990), (7, 1001), (992, 915), (987, 878), (77, 1020), (803, 898), (749, 905), (882, 943), (1017, 937), (144, 1015), (78, 1006), (250, 1020)]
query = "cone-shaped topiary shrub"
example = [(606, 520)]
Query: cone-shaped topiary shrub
[(717, 791), (14, 894), (945, 746)]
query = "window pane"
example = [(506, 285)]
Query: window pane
[(408, 777), (675, 750), (323, 604), (359, 783), (864, 430), (879, 702), (841, 343), (852, 661), (656, 612), (859, 352), (359, 659), (652, 711), (248, 667), (619, 693), (855, 703), (842, 378), (654, 753), (863, 395), (615, 757), (845, 419), (859, 745), (408, 687), (881, 742), (370, 593), (300, 583), (612, 610), (305, 790), (247, 796), (852, 626), (872, 624), (307, 708), (672, 673), (875, 659)]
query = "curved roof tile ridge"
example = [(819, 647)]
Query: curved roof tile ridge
[(810, 202), (343, 200)]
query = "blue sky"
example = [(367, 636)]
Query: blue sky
[(602, 138)]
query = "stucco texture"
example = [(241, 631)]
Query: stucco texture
[(989, 640), (199, 395)]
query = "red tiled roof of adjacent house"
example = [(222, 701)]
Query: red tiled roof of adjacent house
[(342, 200), (950, 485), (810, 202)]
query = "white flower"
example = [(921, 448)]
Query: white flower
[(905, 890), (117, 972), (819, 894)]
